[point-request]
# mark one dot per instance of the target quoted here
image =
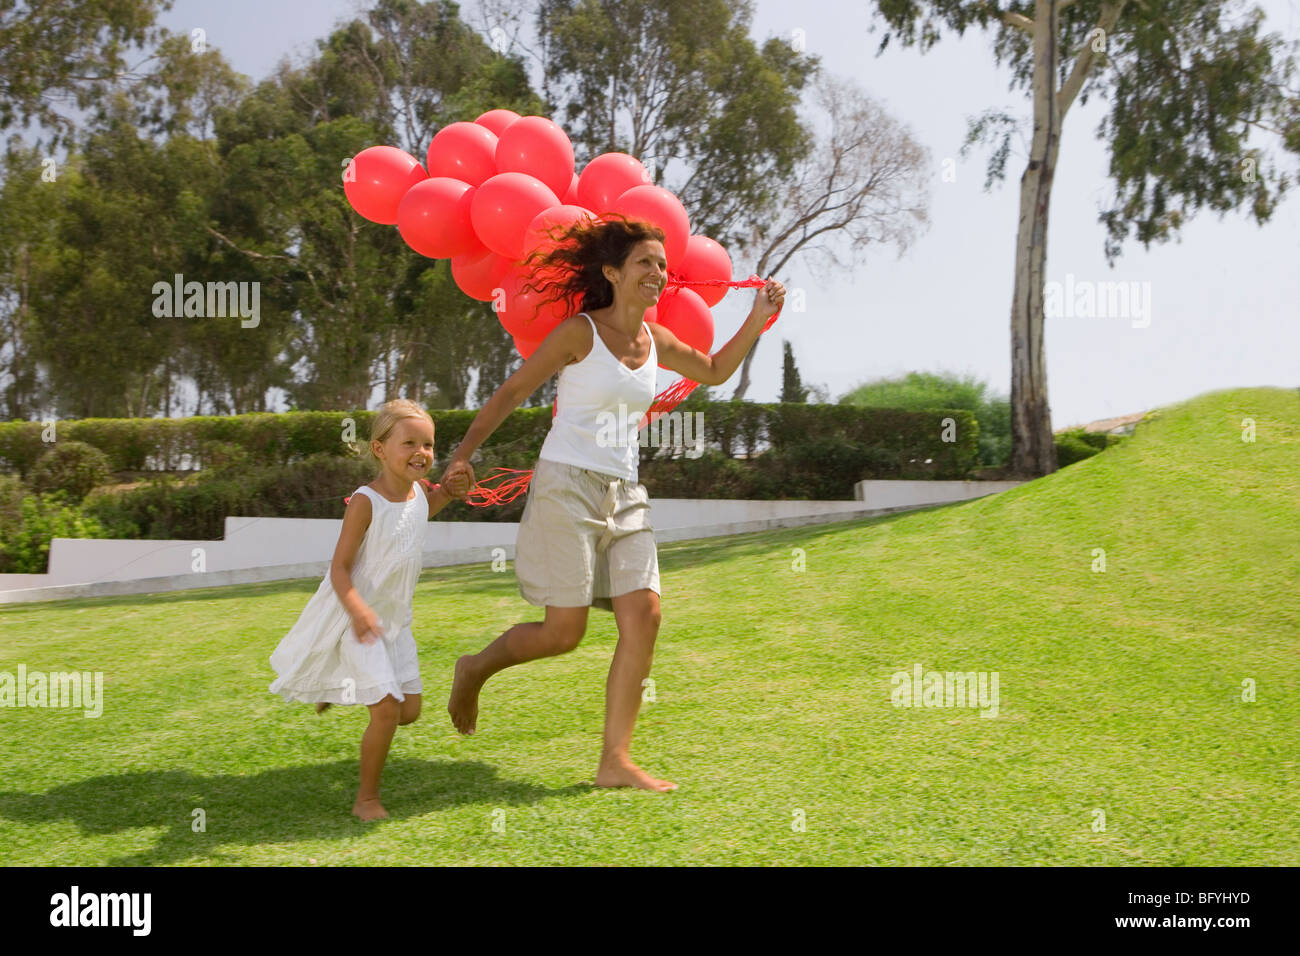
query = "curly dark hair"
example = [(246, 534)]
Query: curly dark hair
[(571, 271)]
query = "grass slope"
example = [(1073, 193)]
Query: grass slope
[(1120, 691)]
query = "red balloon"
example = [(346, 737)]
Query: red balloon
[(504, 206), (479, 277), (497, 120), (571, 197), (434, 220), (523, 313), (606, 178), (687, 317), (557, 219), (659, 207), (526, 347), (377, 179), (463, 151), (706, 259), (536, 146)]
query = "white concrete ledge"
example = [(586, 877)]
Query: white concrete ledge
[(894, 494), (271, 549)]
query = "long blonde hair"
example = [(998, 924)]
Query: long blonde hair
[(381, 426)]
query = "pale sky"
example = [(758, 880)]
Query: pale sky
[(1223, 301)]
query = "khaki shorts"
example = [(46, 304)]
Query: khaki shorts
[(585, 537)]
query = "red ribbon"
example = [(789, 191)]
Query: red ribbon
[(510, 483)]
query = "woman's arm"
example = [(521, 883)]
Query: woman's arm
[(721, 365), (560, 347)]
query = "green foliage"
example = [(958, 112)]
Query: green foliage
[(25, 544), (54, 51), (924, 390), (1187, 81), (729, 107), (167, 508), (72, 467), (1077, 444), (792, 389)]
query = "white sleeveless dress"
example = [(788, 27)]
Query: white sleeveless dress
[(320, 659)]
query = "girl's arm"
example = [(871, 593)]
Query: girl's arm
[(356, 519), (437, 495)]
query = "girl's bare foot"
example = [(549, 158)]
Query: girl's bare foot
[(322, 706), (622, 772), (463, 703), (369, 809)]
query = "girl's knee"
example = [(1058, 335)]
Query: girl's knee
[(410, 710), (387, 711)]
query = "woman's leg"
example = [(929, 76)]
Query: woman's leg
[(558, 634), (637, 615), (374, 751)]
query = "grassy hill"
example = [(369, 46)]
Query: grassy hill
[(1121, 693)]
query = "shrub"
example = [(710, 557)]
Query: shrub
[(25, 546), (1071, 446), (72, 467)]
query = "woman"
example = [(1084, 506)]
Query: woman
[(585, 538)]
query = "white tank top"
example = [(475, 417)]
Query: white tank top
[(600, 403)]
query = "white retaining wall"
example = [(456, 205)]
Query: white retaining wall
[(266, 549)]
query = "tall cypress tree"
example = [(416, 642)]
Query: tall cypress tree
[(792, 389)]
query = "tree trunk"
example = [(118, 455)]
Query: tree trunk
[(1033, 451)]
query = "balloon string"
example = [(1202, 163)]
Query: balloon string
[(507, 489)]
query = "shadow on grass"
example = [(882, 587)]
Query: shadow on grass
[(311, 802)]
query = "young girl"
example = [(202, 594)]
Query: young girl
[(353, 642)]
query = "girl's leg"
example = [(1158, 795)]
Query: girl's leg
[(410, 709), (559, 633), (374, 751), (637, 614)]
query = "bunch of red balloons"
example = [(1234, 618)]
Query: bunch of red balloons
[(493, 190)]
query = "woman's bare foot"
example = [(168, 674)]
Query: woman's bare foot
[(322, 706), (616, 772), (369, 809), (463, 703)]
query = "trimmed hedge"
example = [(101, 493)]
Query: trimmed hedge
[(1077, 444), (164, 445), (298, 464)]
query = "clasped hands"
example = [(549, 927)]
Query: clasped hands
[(458, 479)]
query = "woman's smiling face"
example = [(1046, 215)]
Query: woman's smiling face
[(643, 274)]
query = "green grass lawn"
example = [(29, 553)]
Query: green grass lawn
[(1120, 691)]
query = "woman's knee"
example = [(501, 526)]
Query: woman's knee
[(566, 638), (564, 628)]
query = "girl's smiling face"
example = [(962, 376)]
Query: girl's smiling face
[(408, 449)]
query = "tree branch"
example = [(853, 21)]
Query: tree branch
[(1110, 14)]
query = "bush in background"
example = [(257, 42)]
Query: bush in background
[(922, 391), (25, 544), (72, 467)]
